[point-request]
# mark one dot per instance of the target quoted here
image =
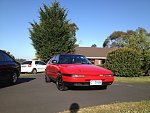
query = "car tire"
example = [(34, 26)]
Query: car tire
[(34, 71), (47, 79), (14, 78), (60, 84)]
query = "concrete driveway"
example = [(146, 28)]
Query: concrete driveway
[(33, 95)]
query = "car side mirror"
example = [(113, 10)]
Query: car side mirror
[(54, 61)]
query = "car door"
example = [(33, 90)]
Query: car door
[(54, 67), (3, 69), (43, 65), (49, 69), (6, 66), (40, 66)]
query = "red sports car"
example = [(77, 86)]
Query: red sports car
[(76, 70)]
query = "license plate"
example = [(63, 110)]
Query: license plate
[(95, 82)]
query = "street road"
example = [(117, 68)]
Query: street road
[(33, 95)]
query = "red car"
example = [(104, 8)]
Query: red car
[(76, 70)]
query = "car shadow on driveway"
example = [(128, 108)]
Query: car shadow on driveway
[(86, 88), (23, 80), (20, 81)]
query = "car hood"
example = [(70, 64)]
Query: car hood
[(83, 69)]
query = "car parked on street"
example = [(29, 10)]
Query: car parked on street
[(76, 70), (33, 66), (9, 69)]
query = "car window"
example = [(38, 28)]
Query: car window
[(42, 63), (6, 57), (1, 56), (65, 59), (73, 59), (27, 62), (57, 58), (53, 58), (36, 62)]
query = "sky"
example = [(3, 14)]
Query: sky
[(96, 20)]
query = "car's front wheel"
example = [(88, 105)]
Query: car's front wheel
[(60, 83), (14, 78)]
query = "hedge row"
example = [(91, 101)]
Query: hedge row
[(124, 62)]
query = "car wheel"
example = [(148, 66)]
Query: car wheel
[(14, 78), (60, 83), (47, 79), (34, 71)]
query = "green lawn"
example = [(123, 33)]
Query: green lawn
[(25, 74), (133, 79), (121, 79), (126, 107)]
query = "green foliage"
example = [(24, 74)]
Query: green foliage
[(93, 45), (141, 43), (139, 40), (54, 34), (118, 39), (124, 62), (20, 60)]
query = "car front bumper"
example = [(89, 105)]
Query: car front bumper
[(85, 84)]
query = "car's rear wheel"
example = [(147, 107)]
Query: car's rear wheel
[(60, 83), (34, 71)]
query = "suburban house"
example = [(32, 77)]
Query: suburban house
[(96, 55)]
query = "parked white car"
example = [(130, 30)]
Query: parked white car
[(33, 66)]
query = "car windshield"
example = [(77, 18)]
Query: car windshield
[(73, 59)]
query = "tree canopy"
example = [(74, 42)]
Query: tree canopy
[(138, 40), (93, 45), (53, 34), (120, 39)]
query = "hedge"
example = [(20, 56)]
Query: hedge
[(125, 62)]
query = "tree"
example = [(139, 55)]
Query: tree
[(141, 43), (138, 40), (54, 34), (20, 60), (94, 45), (118, 39), (124, 62)]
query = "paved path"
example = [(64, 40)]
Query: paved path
[(33, 95)]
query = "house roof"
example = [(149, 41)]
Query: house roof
[(93, 51)]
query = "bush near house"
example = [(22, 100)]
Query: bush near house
[(124, 62)]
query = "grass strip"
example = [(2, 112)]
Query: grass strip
[(24, 75), (133, 79), (126, 107)]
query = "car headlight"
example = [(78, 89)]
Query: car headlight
[(108, 75), (77, 76)]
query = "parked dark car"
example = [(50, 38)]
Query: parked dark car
[(9, 69)]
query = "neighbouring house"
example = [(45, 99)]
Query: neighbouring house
[(96, 55)]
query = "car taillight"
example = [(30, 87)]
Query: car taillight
[(29, 65)]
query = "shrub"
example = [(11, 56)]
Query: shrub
[(124, 62)]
